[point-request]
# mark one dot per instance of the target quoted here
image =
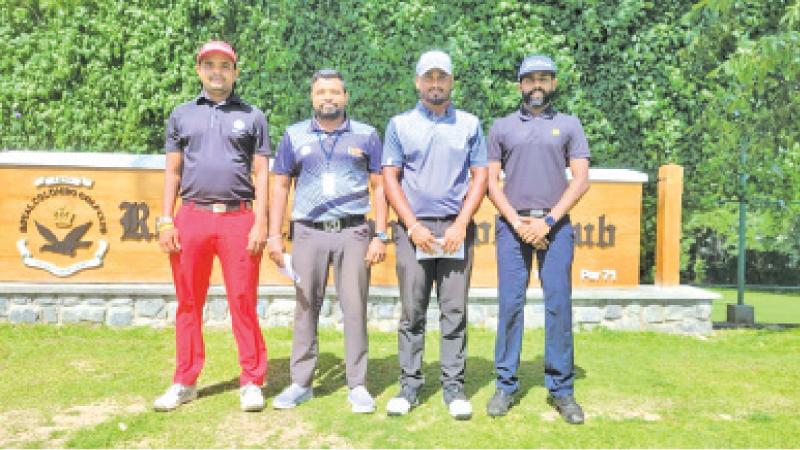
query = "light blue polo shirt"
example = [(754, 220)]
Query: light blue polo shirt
[(435, 154), (349, 154)]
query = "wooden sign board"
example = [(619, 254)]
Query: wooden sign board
[(90, 218)]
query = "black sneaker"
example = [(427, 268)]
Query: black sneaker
[(569, 409), (500, 403), (402, 403), (457, 403)]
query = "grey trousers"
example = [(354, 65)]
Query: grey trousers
[(415, 280), (313, 253)]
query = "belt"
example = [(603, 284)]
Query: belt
[(335, 225), (537, 213), (223, 207), (440, 219)]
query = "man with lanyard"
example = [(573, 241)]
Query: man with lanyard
[(332, 160), (434, 166), (213, 144), (532, 145)]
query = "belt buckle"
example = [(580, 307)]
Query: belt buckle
[(334, 225), (219, 207)]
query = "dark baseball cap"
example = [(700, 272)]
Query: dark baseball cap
[(536, 63)]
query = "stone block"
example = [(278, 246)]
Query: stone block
[(432, 315), (703, 311), (20, 300), (491, 311), (45, 301), (96, 301), (49, 314), (336, 312), (121, 301), (654, 313), (384, 311), (172, 309), (674, 313), (534, 315), (149, 307), (587, 314), (282, 308), (613, 312), (327, 322), (279, 321), (93, 314), (326, 310), (3, 307), (70, 301), (217, 310), (23, 314), (70, 315), (120, 316), (476, 314)]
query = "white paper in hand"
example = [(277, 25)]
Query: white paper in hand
[(287, 269)]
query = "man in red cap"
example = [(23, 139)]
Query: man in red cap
[(214, 145)]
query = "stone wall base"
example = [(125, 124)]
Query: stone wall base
[(682, 309)]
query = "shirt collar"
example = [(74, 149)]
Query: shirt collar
[(449, 113), (343, 127), (204, 99), (525, 115)]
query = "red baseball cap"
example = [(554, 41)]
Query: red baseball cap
[(216, 47)]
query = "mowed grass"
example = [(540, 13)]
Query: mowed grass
[(770, 307), (80, 386)]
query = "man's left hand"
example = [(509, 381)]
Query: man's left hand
[(257, 239), (453, 237), (539, 230), (376, 252)]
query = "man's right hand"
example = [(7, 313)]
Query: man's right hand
[(422, 237), (526, 232), (168, 240), (275, 249)]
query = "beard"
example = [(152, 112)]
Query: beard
[(435, 96), (537, 102), (329, 111)]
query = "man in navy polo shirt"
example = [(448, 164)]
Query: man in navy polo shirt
[(332, 159), (434, 166), (214, 143), (532, 146)]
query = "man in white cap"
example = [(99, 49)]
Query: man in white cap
[(214, 145), (434, 168)]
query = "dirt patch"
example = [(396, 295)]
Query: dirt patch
[(29, 426), (275, 429)]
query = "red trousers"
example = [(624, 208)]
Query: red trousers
[(202, 234)]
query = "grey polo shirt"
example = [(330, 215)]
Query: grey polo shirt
[(533, 152), (348, 155), (218, 142), (435, 154)]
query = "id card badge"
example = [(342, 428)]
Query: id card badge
[(328, 184)]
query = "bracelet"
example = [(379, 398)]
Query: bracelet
[(411, 229)]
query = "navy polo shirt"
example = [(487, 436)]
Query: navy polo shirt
[(533, 151), (435, 153), (348, 154), (218, 142)]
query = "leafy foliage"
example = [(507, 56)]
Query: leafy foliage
[(653, 82)]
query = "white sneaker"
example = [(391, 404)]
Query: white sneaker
[(401, 404), (361, 400), (460, 409), (250, 398), (292, 396), (176, 395)]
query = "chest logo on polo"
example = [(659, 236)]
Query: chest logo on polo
[(556, 132), (304, 150), (355, 151), (238, 125)]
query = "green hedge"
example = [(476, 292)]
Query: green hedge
[(103, 75)]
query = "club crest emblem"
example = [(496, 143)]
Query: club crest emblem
[(61, 225), (238, 125)]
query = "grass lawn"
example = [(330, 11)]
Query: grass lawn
[(770, 307), (80, 386)]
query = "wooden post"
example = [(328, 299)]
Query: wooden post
[(668, 225)]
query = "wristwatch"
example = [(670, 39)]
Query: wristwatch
[(549, 220), (382, 236)]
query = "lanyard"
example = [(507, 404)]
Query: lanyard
[(328, 154)]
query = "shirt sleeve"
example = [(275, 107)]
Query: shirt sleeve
[(261, 134), (495, 151), (374, 152), (284, 163), (578, 146), (477, 148), (172, 141), (392, 147)]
